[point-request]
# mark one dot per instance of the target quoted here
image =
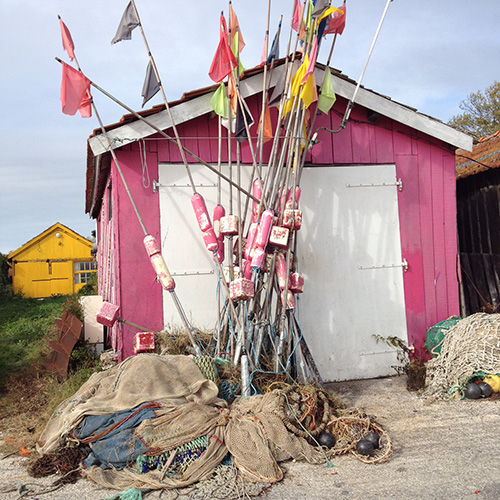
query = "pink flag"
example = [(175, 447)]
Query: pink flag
[(75, 92), (67, 41), (336, 22), (312, 60), (224, 59), (297, 16)]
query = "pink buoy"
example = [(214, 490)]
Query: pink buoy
[(289, 197), (258, 258), (227, 273), (241, 289), (247, 269), (257, 193), (281, 270), (279, 237), (201, 212), (162, 272), (297, 219), (221, 253), (210, 240), (288, 218), (266, 264), (290, 302), (108, 314), (229, 225), (219, 212), (252, 231), (151, 245), (144, 342), (264, 229), (296, 283)]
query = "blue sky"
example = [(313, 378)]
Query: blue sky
[(430, 55)]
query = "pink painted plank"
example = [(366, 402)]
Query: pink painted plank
[(213, 128), (204, 143), (342, 144), (438, 222), (427, 233), (411, 247), (360, 136), (402, 140)]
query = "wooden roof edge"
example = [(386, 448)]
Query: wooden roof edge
[(43, 234)]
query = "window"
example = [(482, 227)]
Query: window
[(84, 270)]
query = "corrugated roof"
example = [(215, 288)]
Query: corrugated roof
[(485, 154)]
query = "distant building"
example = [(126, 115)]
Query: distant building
[(56, 262)]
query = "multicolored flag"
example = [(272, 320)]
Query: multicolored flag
[(234, 25), (336, 23), (67, 41), (327, 97), (312, 60), (274, 51), (75, 92), (151, 85), (128, 22), (224, 60)]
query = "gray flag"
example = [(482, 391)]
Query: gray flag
[(320, 7), (128, 22), (151, 85)]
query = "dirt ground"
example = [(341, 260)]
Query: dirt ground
[(442, 450)]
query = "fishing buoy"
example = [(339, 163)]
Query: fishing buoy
[(290, 302), (289, 201), (201, 212), (151, 245), (296, 283), (327, 439), (259, 255), (162, 272), (281, 270), (241, 289), (257, 193), (252, 231), (486, 390), (219, 212), (210, 240), (365, 447), (493, 381), (264, 229), (472, 391), (279, 237), (374, 439), (229, 225)]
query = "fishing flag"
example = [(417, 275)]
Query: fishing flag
[(75, 92), (67, 41), (295, 86), (274, 52), (224, 59), (267, 131), (219, 101), (319, 7), (312, 60), (297, 15), (327, 96), (336, 23), (234, 25), (128, 22), (151, 84), (309, 93), (242, 115), (263, 58)]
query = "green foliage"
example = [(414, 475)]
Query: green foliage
[(90, 288), (481, 113), (6, 291), (24, 325), (72, 306)]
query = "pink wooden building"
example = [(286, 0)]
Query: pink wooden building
[(378, 246)]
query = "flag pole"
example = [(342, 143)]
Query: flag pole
[(167, 107)]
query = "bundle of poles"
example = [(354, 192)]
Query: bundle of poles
[(253, 245)]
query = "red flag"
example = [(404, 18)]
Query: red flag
[(297, 15), (224, 59), (75, 92), (336, 22), (67, 41)]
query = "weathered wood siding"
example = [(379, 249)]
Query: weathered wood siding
[(478, 202)]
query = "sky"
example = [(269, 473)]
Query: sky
[(429, 55)]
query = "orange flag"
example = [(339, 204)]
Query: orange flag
[(75, 92), (234, 25)]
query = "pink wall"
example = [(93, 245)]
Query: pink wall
[(426, 208)]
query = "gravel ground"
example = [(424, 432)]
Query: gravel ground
[(442, 450)]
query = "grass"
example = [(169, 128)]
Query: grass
[(28, 393)]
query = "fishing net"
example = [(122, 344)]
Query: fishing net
[(435, 334), (349, 427), (472, 345)]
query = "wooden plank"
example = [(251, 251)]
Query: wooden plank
[(479, 280), (384, 141), (411, 247), (360, 136), (492, 210), (342, 142), (322, 151), (489, 272), (495, 262)]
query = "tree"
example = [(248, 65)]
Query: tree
[(481, 113)]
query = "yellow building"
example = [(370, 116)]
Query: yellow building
[(57, 261)]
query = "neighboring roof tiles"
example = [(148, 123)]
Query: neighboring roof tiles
[(484, 155), (197, 103)]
